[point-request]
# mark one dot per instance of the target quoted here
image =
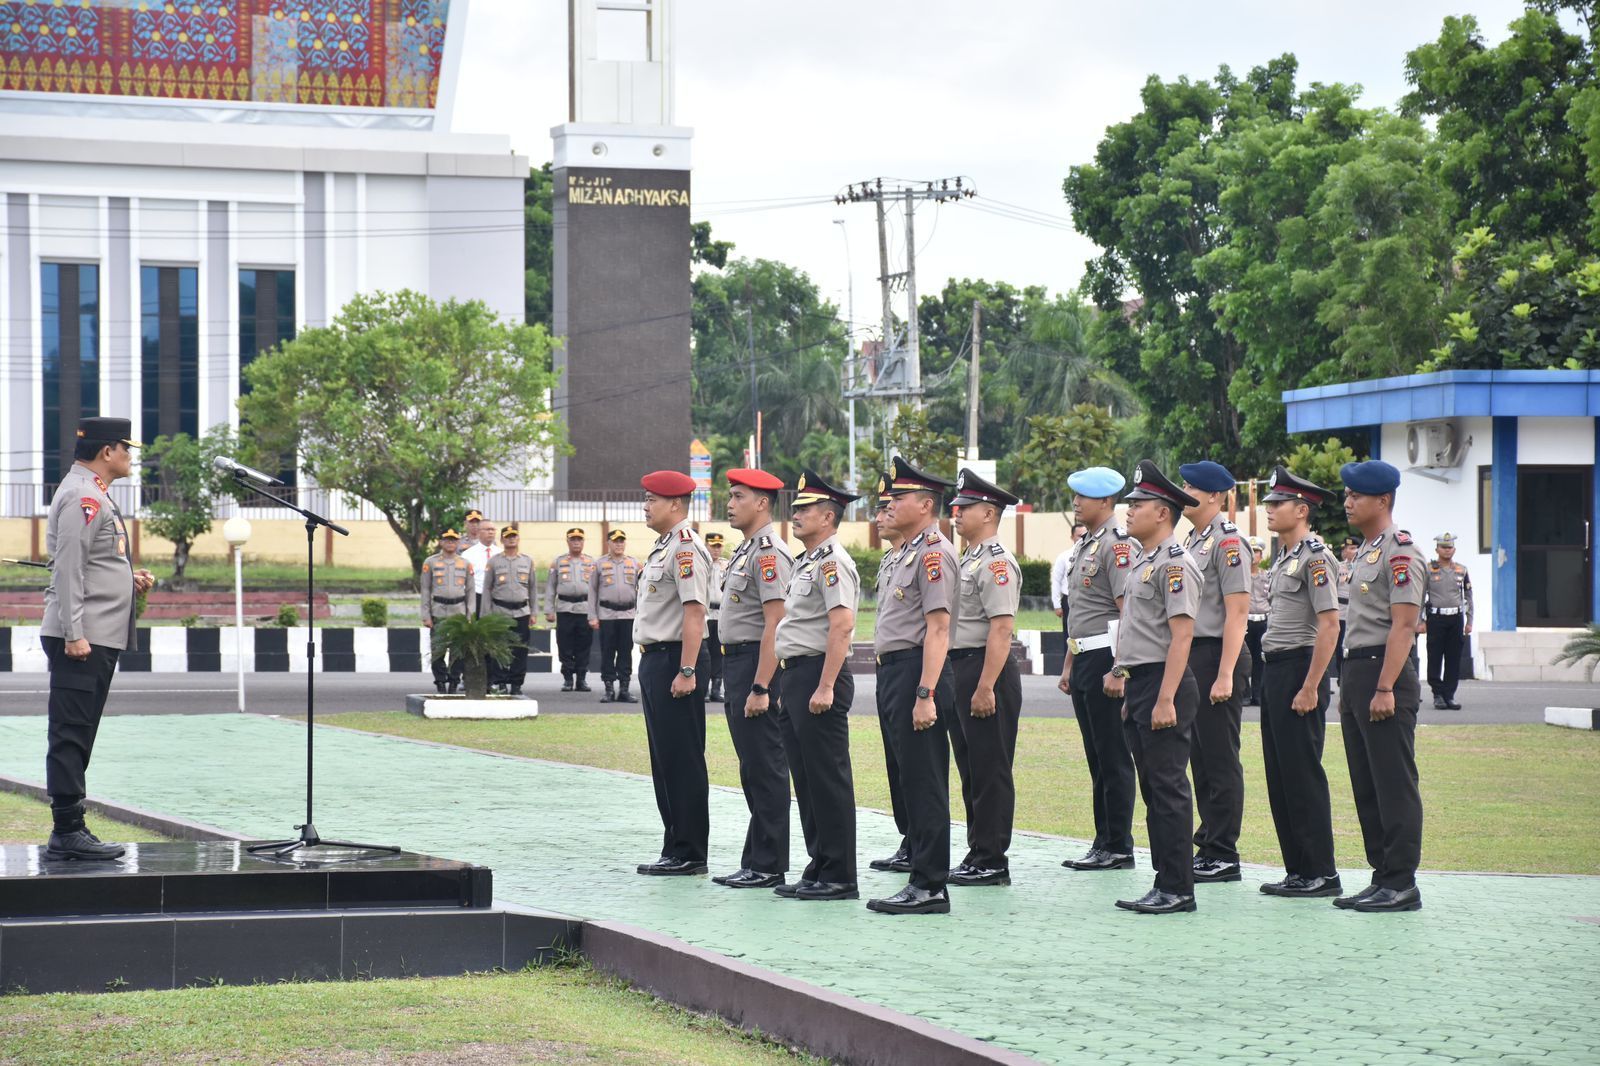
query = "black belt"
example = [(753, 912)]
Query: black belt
[(620, 606), (1285, 653), (966, 653), (742, 647), (1141, 669), (660, 645), (1205, 640), (1374, 652), (895, 656), (449, 602), (572, 599), (794, 660), (513, 604)]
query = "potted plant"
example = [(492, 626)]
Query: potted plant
[(1582, 650), (473, 642)]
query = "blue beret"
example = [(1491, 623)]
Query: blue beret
[(1097, 481), (1372, 478), (1207, 476)]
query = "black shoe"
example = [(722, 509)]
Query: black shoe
[(899, 862), (828, 890), (1103, 860), (722, 879), (714, 695), (1348, 902), (1156, 901), (1440, 703), (516, 690), (610, 696), (450, 689), (582, 685), (750, 879), (1451, 705), (1390, 899), (912, 900), (1277, 888), (1311, 887), (673, 867), (972, 876), (80, 844), (438, 686), (1215, 871), (788, 891), (1252, 702), (566, 682), (624, 696)]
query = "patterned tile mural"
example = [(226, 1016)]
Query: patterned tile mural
[(363, 53)]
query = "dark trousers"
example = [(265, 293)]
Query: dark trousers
[(1253, 632), (819, 755), (516, 671), (1297, 787), (616, 649), (714, 671), (984, 749), (891, 765), (676, 728), (1444, 653), (923, 756), (574, 641), (763, 767), (1338, 648), (78, 691), (445, 668), (1111, 775), (1383, 770), (1162, 758), (1214, 753)]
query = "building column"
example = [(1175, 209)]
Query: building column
[(1503, 499)]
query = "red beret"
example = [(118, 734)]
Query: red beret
[(756, 479), (668, 483)]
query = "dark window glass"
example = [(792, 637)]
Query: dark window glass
[(1485, 509), (69, 358), (169, 351), (266, 319)]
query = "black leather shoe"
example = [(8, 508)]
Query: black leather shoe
[(971, 876), (1071, 864), (1348, 902), (753, 879), (608, 696), (899, 862), (624, 696), (673, 867), (566, 683), (80, 844), (1103, 860), (1390, 899), (581, 686), (516, 690), (450, 689), (1215, 871), (438, 686), (788, 891), (1440, 703), (1311, 887), (1276, 888), (1158, 902), (1451, 705), (828, 890), (722, 879), (912, 900)]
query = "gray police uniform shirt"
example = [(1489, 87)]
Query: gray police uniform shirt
[(886, 570), (677, 571), (1223, 559), (1449, 585), (921, 582), (508, 586), (1098, 574), (823, 578), (1304, 584), (990, 587), (1345, 571), (1165, 583), (719, 574), (757, 573), (567, 587), (1260, 592), (1388, 570), (446, 586), (91, 594), (614, 588)]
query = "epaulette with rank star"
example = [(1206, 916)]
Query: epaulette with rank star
[(1120, 532), (1314, 544), (1402, 537), (1229, 527), (764, 541), (917, 539), (824, 551), (685, 534), (997, 548), (1176, 551)]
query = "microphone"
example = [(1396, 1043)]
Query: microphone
[(239, 470)]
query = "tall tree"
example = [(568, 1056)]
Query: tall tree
[(538, 233), (187, 487)]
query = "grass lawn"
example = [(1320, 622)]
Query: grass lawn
[(217, 575), (1520, 798), (24, 820), (550, 1014)]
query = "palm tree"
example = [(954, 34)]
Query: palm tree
[(1582, 650), (1056, 368), (473, 642)]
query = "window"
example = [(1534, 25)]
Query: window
[(69, 358), (1485, 509), (169, 299), (266, 319)]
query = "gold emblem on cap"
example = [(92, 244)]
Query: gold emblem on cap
[(798, 485)]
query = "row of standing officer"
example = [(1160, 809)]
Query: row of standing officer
[(452, 584)]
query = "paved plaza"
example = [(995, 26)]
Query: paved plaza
[(1493, 969)]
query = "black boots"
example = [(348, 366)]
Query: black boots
[(715, 693), (71, 838), (610, 696), (623, 695)]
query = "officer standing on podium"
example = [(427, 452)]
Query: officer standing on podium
[(1153, 643), (1379, 691), (671, 631), (88, 622), (916, 686), (567, 605)]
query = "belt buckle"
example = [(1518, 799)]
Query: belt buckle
[(1072, 645)]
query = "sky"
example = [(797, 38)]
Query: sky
[(790, 102)]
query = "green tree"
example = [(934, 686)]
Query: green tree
[(407, 403), (538, 231), (1320, 465), (912, 435), (179, 468), (1059, 444)]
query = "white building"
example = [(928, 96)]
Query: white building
[(185, 184)]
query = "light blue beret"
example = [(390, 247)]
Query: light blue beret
[(1097, 481)]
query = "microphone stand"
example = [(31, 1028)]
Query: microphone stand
[(308, 837)]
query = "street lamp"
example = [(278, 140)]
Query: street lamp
[(850, 345), (236, 531)]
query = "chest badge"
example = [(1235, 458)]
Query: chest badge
[(1145, 577), (1373, 555), (899, 593), (1093, 548), (1292, 568)]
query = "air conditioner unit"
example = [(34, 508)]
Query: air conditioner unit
[(1435, 444)]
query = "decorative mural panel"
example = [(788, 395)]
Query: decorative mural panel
[(328, 53)]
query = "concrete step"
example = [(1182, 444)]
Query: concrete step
[(1537, 673)]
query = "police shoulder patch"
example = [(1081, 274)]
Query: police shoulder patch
[(91, 508), (1402, 537), (1001, 572), (1174, 579), (1319, 572), (1400, 570), (1123, 553), (769, 567), (933, 565)]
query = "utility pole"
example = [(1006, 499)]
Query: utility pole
[(972, 380), (913, 336), (755, 391), (850, 363)]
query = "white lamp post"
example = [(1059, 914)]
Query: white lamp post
[(236, 531)]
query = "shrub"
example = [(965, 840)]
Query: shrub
[(288, 615), (190, 621), (374, 612)]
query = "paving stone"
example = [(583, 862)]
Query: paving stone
[(1493, 968)]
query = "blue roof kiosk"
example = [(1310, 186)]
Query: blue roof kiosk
[(1508, 461)]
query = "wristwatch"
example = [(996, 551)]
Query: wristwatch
[(1122, 672), (923, 692), (758, 689), (686, 671)]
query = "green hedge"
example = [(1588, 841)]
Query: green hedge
[(1035, 572)]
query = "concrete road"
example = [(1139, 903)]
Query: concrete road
[(1483, 702)]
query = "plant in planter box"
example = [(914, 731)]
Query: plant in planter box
[(473, 642)]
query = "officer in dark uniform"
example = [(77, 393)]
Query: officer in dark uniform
[(1447, 618), (754, 583), (988, 684), (719, 571), (1379, 692), (671, 630), (900, 861), (916, 687), (1298, 646), (1153, 642), (1097, 575), (88, 622), (567, 605)]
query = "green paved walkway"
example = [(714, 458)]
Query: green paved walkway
[(1494, 968)]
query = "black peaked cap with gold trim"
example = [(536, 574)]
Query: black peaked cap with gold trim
[(907, 478), (811, 488)]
